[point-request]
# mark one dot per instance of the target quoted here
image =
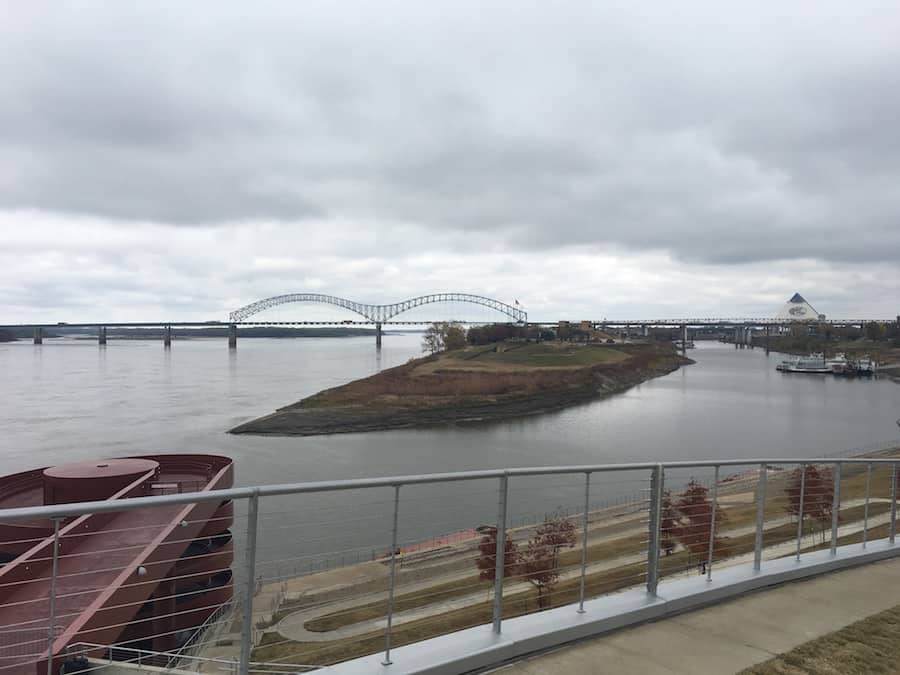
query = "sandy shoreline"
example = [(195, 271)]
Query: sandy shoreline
[(302, 420)]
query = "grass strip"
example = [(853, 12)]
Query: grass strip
[(871, 645)]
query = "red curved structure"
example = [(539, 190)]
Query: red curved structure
[(141, 578)]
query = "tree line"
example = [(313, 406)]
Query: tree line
[(686, 519)]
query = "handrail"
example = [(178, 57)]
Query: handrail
[(198, 635), (85, 508), (766, 472), (84, 646)]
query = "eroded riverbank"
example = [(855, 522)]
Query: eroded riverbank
[(472, 385)]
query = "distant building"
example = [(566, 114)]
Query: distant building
[(798, 309)]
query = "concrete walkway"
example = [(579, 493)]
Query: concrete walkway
[(728, 637)]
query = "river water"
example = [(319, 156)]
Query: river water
[(70, 400)]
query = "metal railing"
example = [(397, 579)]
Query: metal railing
[(209, 630), (153, 658), (691, 517)]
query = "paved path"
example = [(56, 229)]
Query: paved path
[(293, 626), (731, 636)]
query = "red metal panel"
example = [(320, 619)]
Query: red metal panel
[(99, 590)]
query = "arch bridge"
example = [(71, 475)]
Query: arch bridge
[(377, 314)]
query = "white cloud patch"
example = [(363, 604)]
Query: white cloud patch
[(586, 159)]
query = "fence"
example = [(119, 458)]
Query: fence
[(684, 518)]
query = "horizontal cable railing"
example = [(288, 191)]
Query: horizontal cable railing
[(312, 589)]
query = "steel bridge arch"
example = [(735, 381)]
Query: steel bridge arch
[(377, 313)]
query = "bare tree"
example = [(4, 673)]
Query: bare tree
[(487, 558), (818, 495), (540, 559), (692, 528), (443, 336)]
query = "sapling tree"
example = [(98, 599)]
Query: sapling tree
[(539, 561), (692, 528)]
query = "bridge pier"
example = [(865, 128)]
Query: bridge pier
[(684, 338), (101, 335), (38, 335), (645, 330), (378, 335), (767, 339), (232, 336), (737, 337), (167, 337)]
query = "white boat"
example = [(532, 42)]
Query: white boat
[(840, 365), (865, 366), (814, 363)]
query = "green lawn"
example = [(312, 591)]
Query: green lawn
[(541, 355)]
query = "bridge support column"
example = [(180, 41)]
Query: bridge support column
[(767, 339), (167, 337), (645, 330), (232, 336), (101, 335), (737, 336), (378, 334), (684, 338), (38, 335)]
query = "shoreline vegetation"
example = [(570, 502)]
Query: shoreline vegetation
[(473, 384)]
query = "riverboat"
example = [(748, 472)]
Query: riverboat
[(814, 363), (89, 563), (841, 365)]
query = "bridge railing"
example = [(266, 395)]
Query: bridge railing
[(333, 570)]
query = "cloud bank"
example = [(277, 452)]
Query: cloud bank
[(186, 159)]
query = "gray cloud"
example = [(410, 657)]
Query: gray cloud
[(720, 136)]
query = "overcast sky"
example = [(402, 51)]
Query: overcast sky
[(177, 160)]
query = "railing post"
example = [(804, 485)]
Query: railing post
[(51, 631), (390, 611), (893, 527), (760, 517), (250, 590), (499, 569), (584, 539), (712, 524), (800, 514), (657, 479), (866, 507), (836, 507)]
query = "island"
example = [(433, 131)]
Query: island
[(475, 383)]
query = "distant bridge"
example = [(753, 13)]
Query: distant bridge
[(378, 313)]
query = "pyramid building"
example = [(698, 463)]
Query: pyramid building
[(798, 309)]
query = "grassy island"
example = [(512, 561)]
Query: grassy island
[(472, 384)]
